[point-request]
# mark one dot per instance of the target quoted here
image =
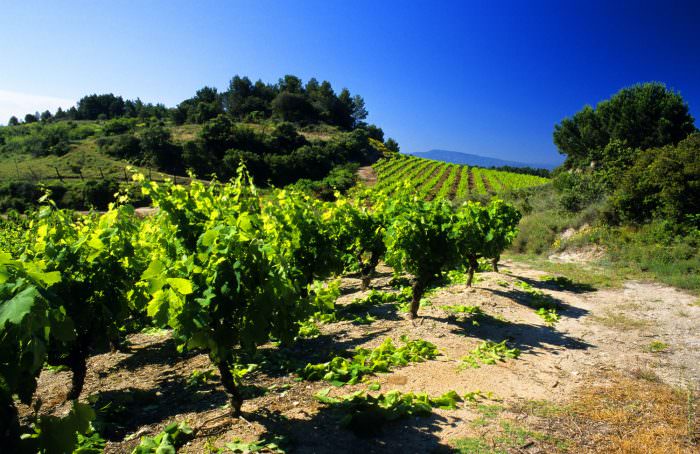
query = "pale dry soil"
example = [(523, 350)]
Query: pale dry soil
[(600, 332), (367, 175)]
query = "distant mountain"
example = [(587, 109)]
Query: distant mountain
[(457, 157)]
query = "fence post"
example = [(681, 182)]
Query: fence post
[(58, 174)]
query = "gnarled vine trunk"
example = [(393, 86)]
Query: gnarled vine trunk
[(419, 286), (77, 362), (229, 383), (473, 266), (494, 262), (9, 425), (367, 269)]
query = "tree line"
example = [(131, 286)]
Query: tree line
[(289, 99)]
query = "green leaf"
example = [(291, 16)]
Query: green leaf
[(183, 286), (15, 309), (155, 269)]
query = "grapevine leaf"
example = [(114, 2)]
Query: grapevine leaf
[(15, 309), (183, 286)]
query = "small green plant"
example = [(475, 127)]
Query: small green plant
[(374, 386), (341, 370), (375, 298), (366, 414), (549, 316), (523, 285), (399, 282), (199, 377), (308, 329), (657, 346), (323, 297), (154, 331), (457, 277), (462, 309), (489, 352), (357, 310), (267, 446), (90, 443), (168, 441), (241, 370), (475, 396)]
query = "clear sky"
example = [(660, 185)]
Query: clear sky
[(489, 78)]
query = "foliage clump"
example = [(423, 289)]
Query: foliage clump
[(366, 414), (341, 370), (489, 353)]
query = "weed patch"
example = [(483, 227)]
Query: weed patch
[(489, 352), (657, 347)]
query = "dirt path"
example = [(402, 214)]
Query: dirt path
[(642, 330), (367, 175)]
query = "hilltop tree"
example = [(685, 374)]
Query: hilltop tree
[(291, 106), (291, 84), (93, 107), (392, 145), (158, 150), (359, 112), (13, 121), (45, 116), (642, 116)]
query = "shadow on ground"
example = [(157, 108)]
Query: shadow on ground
[(523, 336), (558, 283), (536, 301), (322, 433), (158, 353), (121, 412)]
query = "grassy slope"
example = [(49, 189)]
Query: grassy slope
[(94, 164)]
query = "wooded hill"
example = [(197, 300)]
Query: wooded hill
[(284, 132)]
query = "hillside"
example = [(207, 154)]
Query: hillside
[(287, 132), (457, 157), (431, 178)]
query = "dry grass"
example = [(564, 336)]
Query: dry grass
[(628, 415), (617, 320), (184, 133)]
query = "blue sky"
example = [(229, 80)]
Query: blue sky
[(489, 78)]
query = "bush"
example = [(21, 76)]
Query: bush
[(662, 184), (125, 146), (99, 194), (578, 189), (118, 126), (23, 196)]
